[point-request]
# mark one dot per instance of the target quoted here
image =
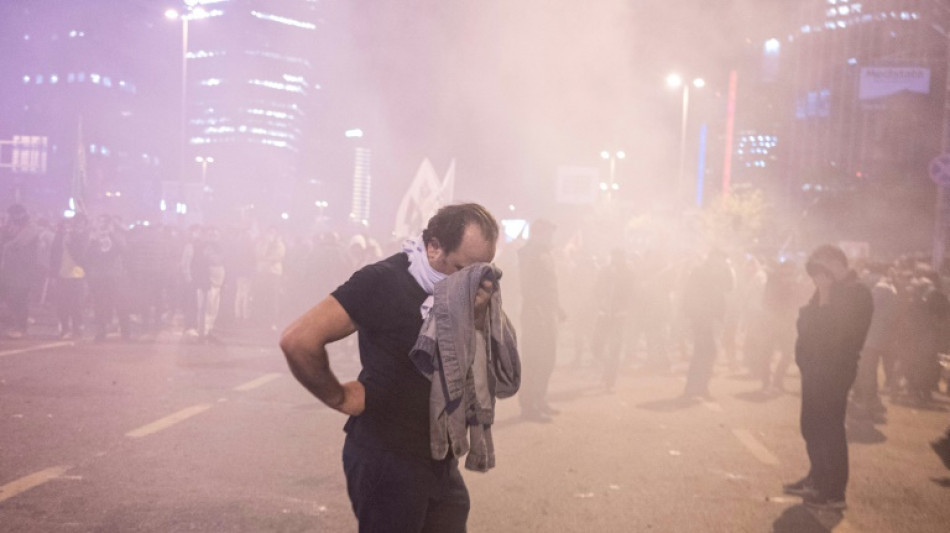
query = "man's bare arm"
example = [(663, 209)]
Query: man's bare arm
[(304, 344)]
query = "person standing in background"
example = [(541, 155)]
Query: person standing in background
[(540, 312), (832, 329), (18, 266)]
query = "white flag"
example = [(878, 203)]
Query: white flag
[(423, 199)]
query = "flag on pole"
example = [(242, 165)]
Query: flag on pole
[(77, 185), (425, 196)]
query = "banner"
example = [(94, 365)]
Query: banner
[(878, 82), (425, 196)]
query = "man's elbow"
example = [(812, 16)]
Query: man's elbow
[(292, 344)]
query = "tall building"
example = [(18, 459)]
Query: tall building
[(250, 95), (64, 77), (868, 79), (362, 186)]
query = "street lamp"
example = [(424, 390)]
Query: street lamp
[(204, 162), (675, 81), (613, 157), (194, 11)]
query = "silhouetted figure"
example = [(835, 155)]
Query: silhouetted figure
[(879, 342), (66, 268), (540, 311), (774, 328), (704, 303), (270, 251), (107, 277), (613, 294), (831, 331), (19, 242), (927, 317)]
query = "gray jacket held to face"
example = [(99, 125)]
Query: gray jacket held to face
[(467, 373)]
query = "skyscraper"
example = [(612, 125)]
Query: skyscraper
[(868, 79), (251, 89)]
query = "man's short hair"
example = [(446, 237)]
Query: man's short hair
[(829, 252), (449, 223)]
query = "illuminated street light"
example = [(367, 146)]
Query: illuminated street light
[(612, 185), (204, 162), (675, 81), (194, 11)]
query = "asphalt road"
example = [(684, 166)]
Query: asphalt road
[(163, 436)]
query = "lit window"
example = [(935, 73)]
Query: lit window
[(81, 77), (842, 24), (53, 78), (95, 78), (843, 10), (26, 79), (73, 33), (284, 20), (107, 81), (39, 79)]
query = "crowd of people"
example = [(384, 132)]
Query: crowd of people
[(614, 308), (95, 277), (620, 308), (654, 308)]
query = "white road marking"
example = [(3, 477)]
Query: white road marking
[(168, 421), (784, 499), (37, 348), (757, 448), (26, 483), (253, 384)]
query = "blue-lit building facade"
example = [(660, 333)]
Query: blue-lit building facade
[(250, 99), (98, 104)]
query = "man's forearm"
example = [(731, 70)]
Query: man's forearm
[(312, 370)]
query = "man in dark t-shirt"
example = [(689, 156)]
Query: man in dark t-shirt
[(393, 483)]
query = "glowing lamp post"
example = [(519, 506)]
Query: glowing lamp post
[(675, 81), (194, 11), (612, 186)]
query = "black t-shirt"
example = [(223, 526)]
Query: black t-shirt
[(383, 300)]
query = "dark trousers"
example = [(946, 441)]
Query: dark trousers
[(704, 357), (824, 404), (392, 492)]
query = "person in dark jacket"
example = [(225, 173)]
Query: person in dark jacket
[(832, 328)]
